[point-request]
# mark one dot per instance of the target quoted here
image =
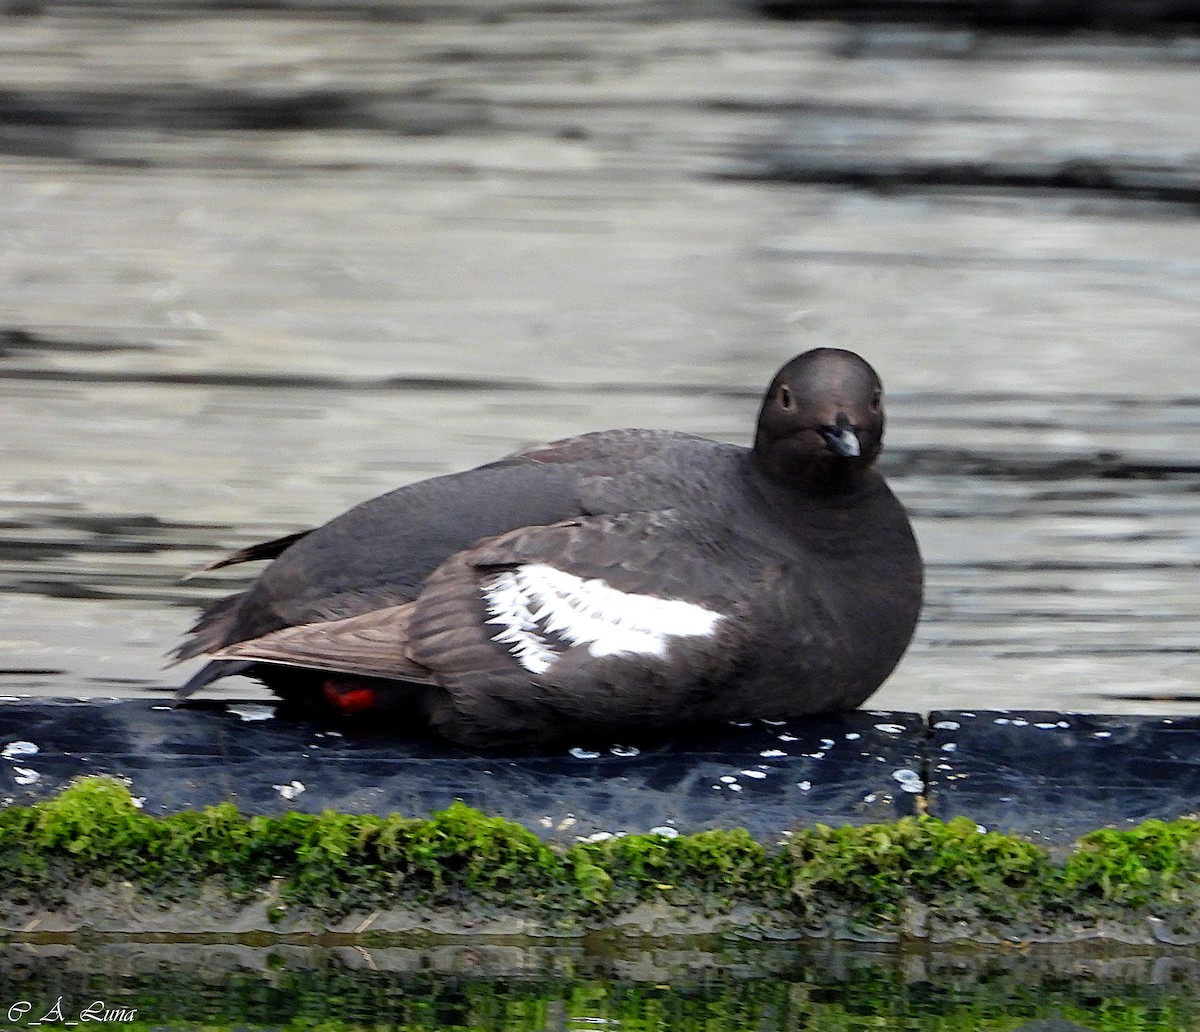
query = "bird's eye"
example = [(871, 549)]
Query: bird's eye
[(876, 401), (785, 396)]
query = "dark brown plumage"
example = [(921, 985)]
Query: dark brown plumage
[(618, 581)]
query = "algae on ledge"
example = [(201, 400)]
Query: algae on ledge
[(917, 876)]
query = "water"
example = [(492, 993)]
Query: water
[(1062, 554), (257, 269), (675, 986)]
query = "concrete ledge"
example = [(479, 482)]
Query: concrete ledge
[(1055, 776), (1048, 776)]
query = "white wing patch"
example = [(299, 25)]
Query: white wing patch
[(536, 600)]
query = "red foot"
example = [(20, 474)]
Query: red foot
[(348, 697)]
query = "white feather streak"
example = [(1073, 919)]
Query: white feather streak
[(536, 600)]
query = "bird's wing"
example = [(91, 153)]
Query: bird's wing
[(593, 621), (598, 620), (373, 644), (263, 550)]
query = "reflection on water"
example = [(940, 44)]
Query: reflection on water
[(680, 986)]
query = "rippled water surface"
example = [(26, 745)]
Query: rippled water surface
[(214, 331), (678, 986), (1061, 537)]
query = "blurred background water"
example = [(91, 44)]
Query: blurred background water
[(260, 262)]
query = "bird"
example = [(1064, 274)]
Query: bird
[(615, 582)]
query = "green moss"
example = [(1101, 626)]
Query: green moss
[(877, 876), (459, 849), (711, 867), (877, 869), (1155, 863)]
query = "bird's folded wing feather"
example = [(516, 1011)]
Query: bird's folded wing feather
[(263, 550), (556, 605), (373, 644), (553, 605)]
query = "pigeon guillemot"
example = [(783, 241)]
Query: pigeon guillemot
[(618, 581)]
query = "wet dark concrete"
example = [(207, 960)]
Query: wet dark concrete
[(1047, 775), (767, 778), (1054, 776)]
